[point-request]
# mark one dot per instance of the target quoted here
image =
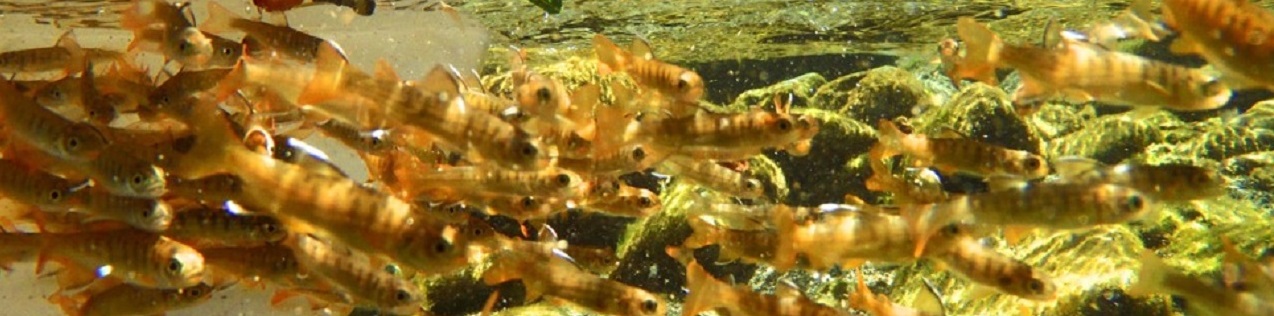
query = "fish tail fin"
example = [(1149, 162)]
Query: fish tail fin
[(145, 40), (1150, 278), (705, 291), (612, 57), (219, 19), (234, 80), (329, 65), (138, 15), (703, 234), (217, 145), (924, 221), (982, 53), (76, 63), (786, 252)]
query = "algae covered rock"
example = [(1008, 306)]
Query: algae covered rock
[(1109, 139), (885, 93), (800, 89), (983, 113), (818, 177), (1054, 120), (643, 261), (1228, 141)]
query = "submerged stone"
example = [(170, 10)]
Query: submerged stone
[(885, 93), (1109, 139), (983, 113)]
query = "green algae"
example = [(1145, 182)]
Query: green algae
[(1109, 139), (983, 113), (885, 93)]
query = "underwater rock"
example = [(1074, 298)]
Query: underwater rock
[(1224, 142), (831, 95), (643, 261), (886, 93), (1109, 139), (984, 113), (1054, 120), (819, 177), (464, 293), (800, 89)]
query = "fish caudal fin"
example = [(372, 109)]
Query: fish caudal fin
[(981, 54), (325, 84), (219, 19), (1150, 277), (705, 291)]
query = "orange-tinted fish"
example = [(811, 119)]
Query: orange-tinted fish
[(963, 254), (129, 299), (362, 283), (685, 86), (138, 257), (1083, 72), (724, 136), (1166, 182), (928, 303), (283, 40), (1232, 36), (956, 154), (1203, 297), (845, 235), (35, 187), (142, 213), (39, 127), (202, 226), (707, 293), (713, 175), (216, 188), (545, 272)]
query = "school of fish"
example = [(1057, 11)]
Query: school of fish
[(147, 190)]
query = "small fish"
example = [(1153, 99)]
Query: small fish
[(622, 200), (1203, 297), (49, 132), (174, 96), (161, 27), (273, 263), (1021, 206), (214, 189), (683, 85), (963, 254), (284, 40), (713, 175), (1166, 182), (200, 225), (1083, 72), (753, 244), (928, 303), (845, 235), (138, 257), (723, 136), (708, 293), (546, 272), (364, 284), (142, 213), (957, 154), (551, 182), (1231, 35), (35, 187), (129, 299), (119, 171), (66, 55)]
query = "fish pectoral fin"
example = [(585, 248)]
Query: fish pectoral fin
[(1073, 168), (979, 291), (1014, 233), (1183, 46)]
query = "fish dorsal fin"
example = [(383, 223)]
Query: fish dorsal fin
[(383, 70), (929, 301), (1000, 182), (67, 41), (1076, 167), (641, 48), (439, 80)]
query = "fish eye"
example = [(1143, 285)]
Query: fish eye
[(528, 202), (543, 94), (644, 201), (73, 143), (194, 291), (174, 265), (751, 184), (184, 46), (270, 228), (402, 296), (1035, 286), (564, 179), (529, 150), (1135, 202), (784, 125), (147, 213), (639, 154), (479, 231), (1032, 163), (649, 305), (138, 179), (682, 84), (55, 195), (951, 230), (442, 246), (227, 51)]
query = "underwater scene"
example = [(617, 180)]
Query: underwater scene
[(557, 157)]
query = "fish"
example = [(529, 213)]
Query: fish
[(200, 225), (214, 189), (957, 154), (129, 299), (1204, 298), (748, 244), (1230, 35), (622, 200), (117, 170), (846, 235), (174, 96), (285, 41), (1165, 182), (362, 283), (928, 303), (713, 175), (708, 293), (138, 257), (723, 136), (1082, 72), (273, 263), (551, 182), (47, 131), (66, 55), (35, 187), (1020, 206), (147, 214), (159, 26), (546, 272), (683, 85), (961, 253)]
